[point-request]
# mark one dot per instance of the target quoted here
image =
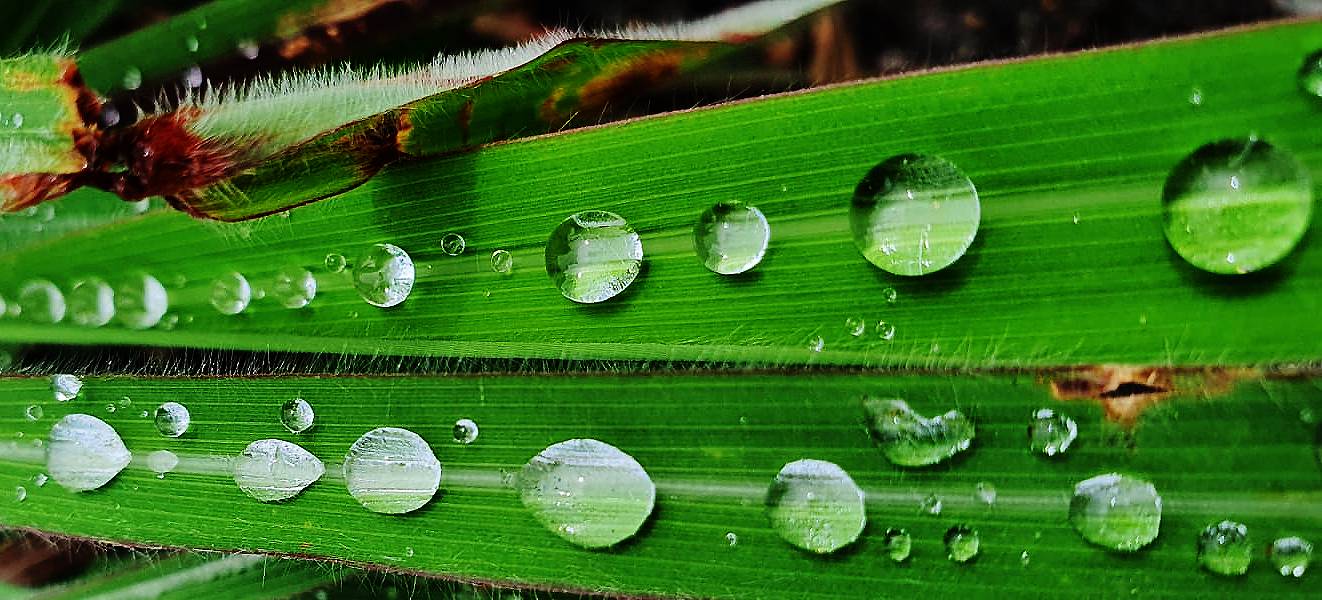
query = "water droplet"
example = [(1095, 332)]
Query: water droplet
[(34, 412), (40, 479), (1050, 433), (731, 237), (17, 122), (294, 287), (40, 301), (502, 262), (914, 214), (815, 506), (335, 263), (908, 439), (162, 462), (453, 244), (1075, 218), (110, 117), (816, 343), (731, 538), (391, 470), (962, 543), (1224, 548), (85, 453), (1195, 97), (140, 301), (248, 48), (465, 431), (1310, 75), (1116, 511), (856, 326), (384, 275), (110, 408), (132, 79), (190, 43), (91, 302), (65, 387), (588, 492), (890, 295), (897, 544), (231, 293), (1291, 556), (1236, 206), (592, 256), (192, 76), (20, 494), (985, 492), (172, 419), (125, 402), (1024, 558), (297, 415), (885, 331), (931, 505), (274, 470)]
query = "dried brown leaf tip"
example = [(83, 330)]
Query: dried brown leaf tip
[(1126, 392)]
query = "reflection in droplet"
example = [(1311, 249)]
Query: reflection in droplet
[(294, 287), (140, 301), (91, 302), (731, 237), (297, 415), (588, 492), (40, 301), (274, 470), (172, 419), (384, 275), (391, 470), (592, 256), (816, 506), (231, 293), (914, 214), (1116, 511)]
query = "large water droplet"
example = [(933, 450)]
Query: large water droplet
[(1236, 206), (914, 214), (898, 544), (588, 492), (65, 387), (453, 244), (815, 505), (297, 415), (1310, 75), (41, 302), (384, 275), (1291, 555), (592, 256), (908, 439), (85, 453), (294, 287), (1050, 433), (1224, 548), (140, 301), (731, 237), (274, 470), (391, 470), (1116, 511), (162, 462), (91, 302), (465, 431), (132, 79), (231, 293), (172, 419), (962, 543)]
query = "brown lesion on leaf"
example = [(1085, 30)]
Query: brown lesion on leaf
[(632, 77), (1126, 392)]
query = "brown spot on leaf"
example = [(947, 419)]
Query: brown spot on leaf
[(631, 77), (1125, 392), (465, 118), (550, 111)]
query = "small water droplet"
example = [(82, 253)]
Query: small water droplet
[(731, 539), (816, 343), (20, 494), (1291, 556), (248, 48), (897, 544), (1224, 548), (985, 492), (588, 492), (1195, 97), (132, 79), (335, 263), (144, 414), (110, 408), (908, 439), (731, 237), (40, 479), (297, 415), (1310, 75), (502, 262), (1050, 433), (85, 453), (192, 76), (40, 301), (391, 470), (890, 295), (1075, 218), (34, 412), (91, 302), (592, 256), (125, 402), (140, 301), (816, 506), (856, 326), (962, 543), (453, 244), (172, 419), (161, 462), (294, 287), (384, 275), (885, 330), (465, 431), (169, 321), (17, 121), (408, 551), (931, 505), (110, 117), (1116, 511), (274, 470), (914, 214), (65, 387), (231, 293), (190, 43)]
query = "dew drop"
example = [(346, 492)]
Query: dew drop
[(1195, 97), (815, 506), (908, 439), (140, 301), (248, 49), (1024, 558), (885, 330), (45, 209), (294, 287), (890, 295), (1116, 511), (384, 275), (40, 301), (731, 538), (335, 263), (453, 244), (898, 544), (391, 470), (297, 415), (85, 453), (1050, 433), (816, 343), (172, 419), (1291, 556), (91, 302), (132, 79), (465, 431), (588, 492), (231, 293), (962, 543), (65, 387), (161, 462), (1224, 548), (502, 262), (731, 237), (985, 492), (20, 494), (110, 408), (274, 470), (856, 326), (192, 76), (1310, 75), (931, 505), (190, 43), (593, 256), (1236, 206), (40, 479), (34, 412), (914, 214)]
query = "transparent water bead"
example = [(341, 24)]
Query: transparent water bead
[(1236, 206), (453, 244), (1224, 548), (172, 419), (132, 79), (274, 470), (731, 538), (593, 256), (502, 262), (162, 461), (898, 544), (731, 237), (1310, 75), (40, 479), (465, 431), (931, 505), (140, 301), (335, 263), (391, 470), (816, 506), (1118, 512), (34, 412), (85, 453), (65, 387), (985, 492), (588, 492), (856, 326), (231, 293), (962, 543), (1050, 433), (1291, 555), (91, 302), (908, 439), (816, 343), (294, 287), (384, 275), (40, 301), (914, 214), (297, 415)]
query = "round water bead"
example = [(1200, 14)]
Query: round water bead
[(502, 262), (1116, 511), (384, 275), (931, 505), (294, 287), (962, 543), (856, 326), (731, 237), (1310, 75), (1224, 548), (588, 492), (65, 387), (20, 494), (91, 302), (465, 431), (391, 470), (453, 244), (815, 506), (1291, 556), (40, 301), (914, 214), (335, 263), (985, 492), (34, 412), (909, 439), (231, 293), (898, 544), (297, 415), (140, 301), (172, 419), (85, 453), (593, 256), (1236, 206), (1050, 433), (274, 470)]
